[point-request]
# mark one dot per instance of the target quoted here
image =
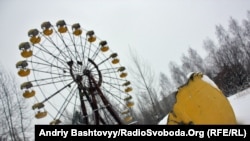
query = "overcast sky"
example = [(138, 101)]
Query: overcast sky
[(158, 30)]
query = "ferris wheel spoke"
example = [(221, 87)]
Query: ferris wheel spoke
[(72, 38), (88, 55), (83, 48), (104, 114), (48, 63), (114, 69), (125, 94), (112, 83), (116, 88), (48, 72), (55, 46), (60, 54), (108, 72), (95, 54), (44, 49), (54, 107), (48, 83), (66, 45), (65, 103), (114, 78), (103, 61), (46, 99), (104, 71), (61, 37), (49, 78)]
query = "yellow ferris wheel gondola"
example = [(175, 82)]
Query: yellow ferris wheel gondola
[(25, 48), (47, 28)]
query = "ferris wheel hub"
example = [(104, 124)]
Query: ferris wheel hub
[(86, 72), (78, 79)]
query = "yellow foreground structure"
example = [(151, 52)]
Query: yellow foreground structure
[(199, 102)]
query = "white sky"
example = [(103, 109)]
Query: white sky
[(159, 30)]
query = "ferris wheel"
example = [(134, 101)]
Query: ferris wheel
[(69, 69)]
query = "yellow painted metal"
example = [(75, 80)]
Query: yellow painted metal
[(24, 72), (77, 32), (41, 114), (130, 104), (62, 29), (128, 118), (91, 39), (128, 89), (104, 48), (28, 94), (55, 122), (26, 53), (115, 61), (198, 102), (47, 32), (35, 39), (123, 75)]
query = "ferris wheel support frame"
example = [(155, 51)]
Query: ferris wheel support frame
[(93, 86)]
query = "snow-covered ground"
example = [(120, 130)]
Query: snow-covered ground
[(240, 103)]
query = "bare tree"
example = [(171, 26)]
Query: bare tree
[(146, 110), (177, 74), (166, 85), (246, 33), (168, 98), (211, 59), (193, 62), (14, 118), (144, 81), (232, 58)]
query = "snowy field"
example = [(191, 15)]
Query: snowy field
[(240, 103)]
